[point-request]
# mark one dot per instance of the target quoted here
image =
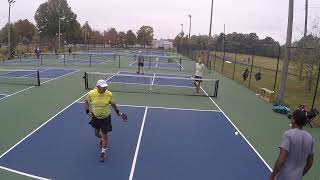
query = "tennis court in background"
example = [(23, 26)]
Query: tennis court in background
[(29, 78), (156, 143), (170, 84)]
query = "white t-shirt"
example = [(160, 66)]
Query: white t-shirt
[(199, 69)]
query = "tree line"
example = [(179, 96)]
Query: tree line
[(46, 29), (232, 42)]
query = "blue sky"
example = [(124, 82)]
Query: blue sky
[(265, 17)]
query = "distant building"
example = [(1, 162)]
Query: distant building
[(162, 44)]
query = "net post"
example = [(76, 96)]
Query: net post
[(119, 62), (149, 62), (64, 59), (41, 56), (180, 66), (85, 77), (38, 78), (20, 61), (210, 65), (90, 59), (216, 89)]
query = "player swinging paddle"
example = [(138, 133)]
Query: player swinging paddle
[(100, 99)]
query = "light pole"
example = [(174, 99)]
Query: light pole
[(190, 26), (59, 35), (85, 36), (10, 2), (181, 34)]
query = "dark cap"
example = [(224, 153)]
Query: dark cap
[(300, 117)]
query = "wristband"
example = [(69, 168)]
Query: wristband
[(117, 111), (87, 111)]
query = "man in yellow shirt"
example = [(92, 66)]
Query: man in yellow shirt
[(100, 99)]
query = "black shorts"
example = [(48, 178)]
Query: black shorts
[(141, 64), (102, 124), (198, 77)]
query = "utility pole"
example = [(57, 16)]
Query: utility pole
[(306, 20), (285, 66), (210, 28), (190, 26), (224, 35), (85, 36), (181, 35)]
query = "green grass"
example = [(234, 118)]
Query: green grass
[(295, 94)]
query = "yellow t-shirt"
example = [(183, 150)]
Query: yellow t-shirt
[(99, 103)]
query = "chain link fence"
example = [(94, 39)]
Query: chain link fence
[(258, 67)]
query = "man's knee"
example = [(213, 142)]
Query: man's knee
[(97, 133)]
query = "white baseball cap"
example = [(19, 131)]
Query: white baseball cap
[(102, 83)]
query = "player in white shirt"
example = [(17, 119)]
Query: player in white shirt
[(140, 62), (199, 71)]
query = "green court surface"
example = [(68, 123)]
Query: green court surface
[(26, 111)]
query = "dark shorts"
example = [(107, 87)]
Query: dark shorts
[(141, 64), (198, 77), (102, 124)]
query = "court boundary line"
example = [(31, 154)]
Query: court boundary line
[(134, 161), (159, 107), (131, 64), (23, 173), (157, 66), (242, 135), (43, 124), (35, 130), (36, 86), (189, 87)]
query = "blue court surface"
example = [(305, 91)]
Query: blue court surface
[(101, 51), (158, 64), (84, 62), (44, 73), (22, 61), (152, 79), (156, 143)]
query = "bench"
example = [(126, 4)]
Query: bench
[(265, 92)]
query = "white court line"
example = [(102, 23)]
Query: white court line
[(40, 126), (176, 75), (60, 76), (238, 130), (30, 74), (22, 173), (131, 64), (159, 107), (40, 83), (154, 75), (181, 66), (182, 109), (138, 145)]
